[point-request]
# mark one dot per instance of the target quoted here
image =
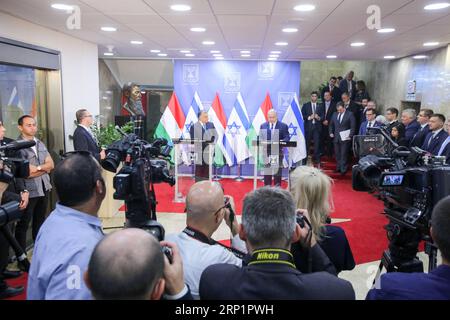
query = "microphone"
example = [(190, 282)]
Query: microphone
[(17, 145)]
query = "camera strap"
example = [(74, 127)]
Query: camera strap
[(279, 256), (197, 235)]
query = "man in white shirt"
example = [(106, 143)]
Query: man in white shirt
[(205, 211)]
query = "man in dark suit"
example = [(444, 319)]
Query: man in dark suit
[(369, 123), (409, 117), (83, 139), (313, 115), (205, 131), (348, 85), (437, 136), (342, 125), (269, 228), (276, 131), (423, 118), (445, 147), (330, 108), (333, 89), (434, 285), (391, 115)]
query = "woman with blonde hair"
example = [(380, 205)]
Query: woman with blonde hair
[(311, 190)]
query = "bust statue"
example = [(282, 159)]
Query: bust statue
[(133, 105)]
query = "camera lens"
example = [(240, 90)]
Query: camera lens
[(112, 161)]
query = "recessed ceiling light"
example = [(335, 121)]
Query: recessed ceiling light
[(136, 42), (276, 52), (162, 54), (389, 57), (198, 29), (155, 51), (215, 51), (386, 30), (190, 55), (61, 6), (109, 29), (272, 59), (219, 58), (245, 55), (304, 7), (245, 52), (437, 6), (281, 43), (420, 57), (108, 54), (208, 43), (180, 7), (185, 51), (358, 44), (430, 44), (273, 55), (331, 56), (289, 30), (217, 55)]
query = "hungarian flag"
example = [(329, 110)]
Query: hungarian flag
[(171, 124), (218, 118)]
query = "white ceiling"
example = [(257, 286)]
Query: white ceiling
[(253, 25)]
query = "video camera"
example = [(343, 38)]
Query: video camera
[(142, 167), (409, 182)]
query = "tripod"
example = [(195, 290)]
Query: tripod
[(22, 259)]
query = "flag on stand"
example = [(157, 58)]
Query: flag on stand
[(171, 124), (191, 119), (294, 119), (218, 118), (236, 132)]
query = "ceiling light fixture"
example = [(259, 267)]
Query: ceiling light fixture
[(190, 55), (180, 7), (162, 54), (289, 30), (273, 55), (430, 44), (108, 29), (185, 51), (275, 52), (281, 43), (218, 55), (198, 29), (208, 43), (155, 51), (272, 59), (389, 57), (108, 54), (304, 7), (437, 6), (245, 55), (214, 51), (61, 6), (136, 42), (219, 58), (386, 30), (358, 44), (331, 56), (420, 57)]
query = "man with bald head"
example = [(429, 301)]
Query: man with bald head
[(129, 264), (205, 211), (273, 131)]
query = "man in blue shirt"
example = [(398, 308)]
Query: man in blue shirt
[(67, 238), (422, 286)]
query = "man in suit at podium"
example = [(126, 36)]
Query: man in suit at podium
[(83, 139), (273, 131), (342, 130), (205, 131)]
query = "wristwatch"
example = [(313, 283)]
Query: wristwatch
[(39, 168), (24, 191)]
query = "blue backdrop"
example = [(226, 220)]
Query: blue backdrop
[(252, 78)]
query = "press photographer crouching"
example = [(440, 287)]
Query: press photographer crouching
[(269, 227), (420, 286), (130, 265), (206, 208)]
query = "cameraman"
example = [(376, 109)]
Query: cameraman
[(422, 286), (205, 211), (11, 193), (129, 264)]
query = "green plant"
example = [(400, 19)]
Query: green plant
[(108, 134)]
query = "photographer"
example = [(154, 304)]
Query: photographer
[(422, 286), (269, 227), (205, 211), (67, 238), (12, 191), (129, 264)]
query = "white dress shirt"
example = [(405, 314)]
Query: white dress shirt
[(197, 256)]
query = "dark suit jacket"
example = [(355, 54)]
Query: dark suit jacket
[(419, 137), (446, 153), (348, 122), (363, 127), (82, 140), (197, 132), (435, 145), (335, 95), (307, 111), (330, 111), (265, 134), (271, 281), (410, 130), (343, 86), (356, 109)]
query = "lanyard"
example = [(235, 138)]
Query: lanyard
[(197, 235), (279, 256)]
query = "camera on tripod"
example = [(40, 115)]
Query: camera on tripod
[(409, 182), (143, 165)]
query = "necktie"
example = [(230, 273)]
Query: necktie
[(340, 117), (370, 124), (271, 127), (431, 139), (446, 142), (314, 112)]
